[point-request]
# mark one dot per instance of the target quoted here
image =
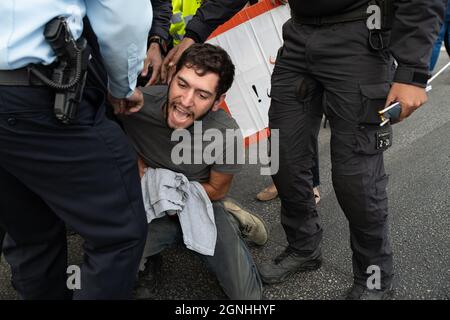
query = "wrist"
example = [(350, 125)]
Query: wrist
[(157, 40), (154, 45), (113, 98)]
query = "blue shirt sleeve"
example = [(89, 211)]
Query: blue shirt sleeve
[(122, 28)]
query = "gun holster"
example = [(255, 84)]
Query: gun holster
[(70, 68)]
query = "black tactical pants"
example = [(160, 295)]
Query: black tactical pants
[(331, 69)]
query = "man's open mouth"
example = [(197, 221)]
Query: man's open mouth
[(180, 114)]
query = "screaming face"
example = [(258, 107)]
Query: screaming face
[(190, 97)]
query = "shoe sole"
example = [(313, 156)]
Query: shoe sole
[(265, 227), (388, 295), (240, 208), (261, 198), (311, 266)]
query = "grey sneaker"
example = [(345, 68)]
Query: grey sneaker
[(288, 263), (252, 226), (361, 292)]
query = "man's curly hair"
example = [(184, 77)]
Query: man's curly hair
[(205, 58)]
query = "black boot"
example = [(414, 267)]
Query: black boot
[(288, 263), (361, 292)]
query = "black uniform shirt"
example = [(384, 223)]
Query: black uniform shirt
[(414, 30), (320, 8)]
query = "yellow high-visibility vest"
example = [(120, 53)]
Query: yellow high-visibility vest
[(182, 13)]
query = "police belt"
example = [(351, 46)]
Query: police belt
[(23, 76), (354, 15)]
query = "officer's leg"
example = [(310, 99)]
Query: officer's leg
[(295, 111), (87, 174), (232, 262), (35, 246), (360, 181), (355, 89), (293, 116)]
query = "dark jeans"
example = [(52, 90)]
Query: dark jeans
[(331, 69), (232, 262), (83, 175), (444, 36)]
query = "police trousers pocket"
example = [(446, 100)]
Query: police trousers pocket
[(372, 139), (373, 99)]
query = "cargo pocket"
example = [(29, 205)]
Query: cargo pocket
[(372, 139), (373, 99)]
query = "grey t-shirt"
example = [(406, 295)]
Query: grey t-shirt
[(214, 142)]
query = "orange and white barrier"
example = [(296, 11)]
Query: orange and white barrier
[(252, 38)]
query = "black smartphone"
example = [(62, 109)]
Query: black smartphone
[(394, 113)]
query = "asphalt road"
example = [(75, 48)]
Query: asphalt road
[(419, 199)]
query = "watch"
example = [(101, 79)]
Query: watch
[(160, 41)]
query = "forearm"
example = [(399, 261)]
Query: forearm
[(213, 193), (122, 30), (415, 28), (162, 12), (210, 15)]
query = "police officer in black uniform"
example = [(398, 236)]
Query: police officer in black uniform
[(338, 59)]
